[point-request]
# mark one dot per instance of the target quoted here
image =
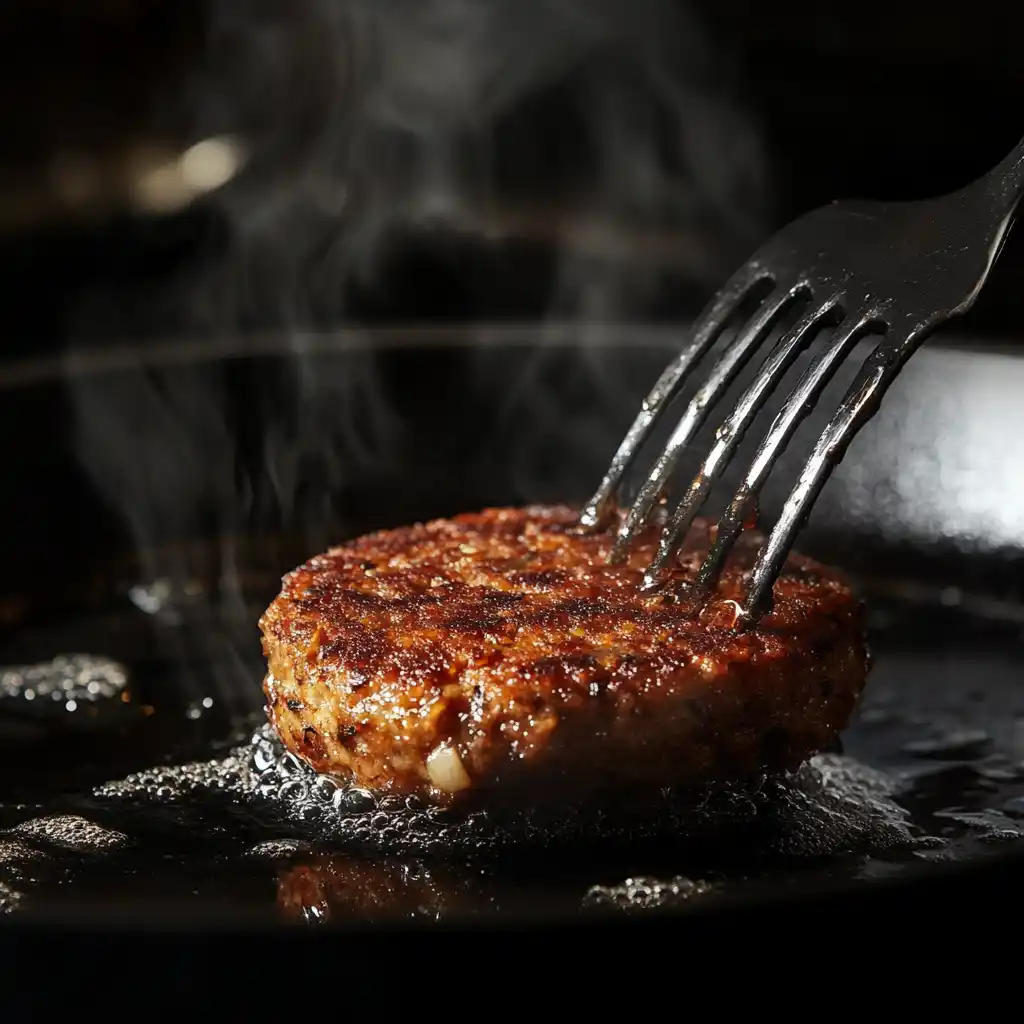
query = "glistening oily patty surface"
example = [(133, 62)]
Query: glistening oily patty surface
[(498, 653)]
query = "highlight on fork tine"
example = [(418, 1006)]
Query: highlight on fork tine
[(859, 404), (846, 331), (792, 412), (741, 349), (707, 330), (772, 556), (733, 429)]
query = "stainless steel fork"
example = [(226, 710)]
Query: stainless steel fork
[(898, 270)]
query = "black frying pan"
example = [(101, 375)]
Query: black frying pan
[(155, 496)]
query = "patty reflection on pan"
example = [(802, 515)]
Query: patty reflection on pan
[(499, 653), (335, 888)]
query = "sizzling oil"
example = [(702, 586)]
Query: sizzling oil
[(934, 770)]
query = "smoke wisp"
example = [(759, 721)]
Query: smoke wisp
[(586, 123)]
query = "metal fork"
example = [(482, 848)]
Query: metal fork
[(898, 270)]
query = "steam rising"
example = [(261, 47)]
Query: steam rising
[(586, 122), (589, 123)]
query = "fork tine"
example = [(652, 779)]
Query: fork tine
[(721, 376), (709, 326), (799, 402), (731, 433), (860, 403)]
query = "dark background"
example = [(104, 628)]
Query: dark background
[(865, 98)]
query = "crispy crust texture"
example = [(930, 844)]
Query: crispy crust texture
[(498, 654)]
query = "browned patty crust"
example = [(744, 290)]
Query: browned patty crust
[(498, 652)]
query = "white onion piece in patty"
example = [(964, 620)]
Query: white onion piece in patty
[(444, 766)]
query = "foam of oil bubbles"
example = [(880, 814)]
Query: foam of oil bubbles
[(71, 832), (643, 893), (265, 806), (66, 683), (18, 864), (71, 691), (831, 805), (50, 849), (279, 849), (209, 800)]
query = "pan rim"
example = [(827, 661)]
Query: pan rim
[(169, 351)]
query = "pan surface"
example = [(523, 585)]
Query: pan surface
[(161, 492)]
